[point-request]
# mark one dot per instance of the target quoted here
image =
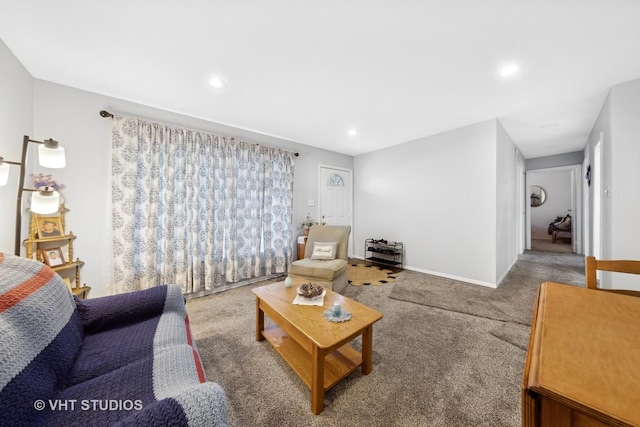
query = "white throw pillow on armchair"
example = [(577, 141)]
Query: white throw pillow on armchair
[(324, 250)]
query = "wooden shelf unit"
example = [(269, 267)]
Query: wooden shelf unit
[(35, 245)]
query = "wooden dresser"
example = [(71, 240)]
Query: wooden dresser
[(583, 362)]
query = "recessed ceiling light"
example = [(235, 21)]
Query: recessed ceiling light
[(217, 83), (509, 70), (353, 132)]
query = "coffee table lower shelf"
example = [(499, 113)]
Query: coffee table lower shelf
[(337, 365)]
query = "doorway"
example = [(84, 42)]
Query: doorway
[(335, 201), (553, 205)]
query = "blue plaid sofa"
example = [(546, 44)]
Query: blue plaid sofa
[(121, 360)]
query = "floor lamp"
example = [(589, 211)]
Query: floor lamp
[(45, 200)]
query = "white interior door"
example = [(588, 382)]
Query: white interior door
[(335, 197), (585, 211), (576, 209)]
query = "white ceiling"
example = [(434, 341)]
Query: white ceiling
[(308, 71)]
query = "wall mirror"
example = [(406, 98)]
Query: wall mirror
[(538, 196)]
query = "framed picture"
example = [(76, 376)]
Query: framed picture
[(53, 257), (49, 227)]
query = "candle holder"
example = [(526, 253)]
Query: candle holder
[(336, 313), (336, 309)]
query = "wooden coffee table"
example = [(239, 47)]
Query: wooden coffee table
[(315, 348)]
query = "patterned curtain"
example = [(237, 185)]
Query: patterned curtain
[(197, 209)]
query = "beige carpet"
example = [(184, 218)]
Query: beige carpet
[(366, 274), (431, 367), (512, 301)]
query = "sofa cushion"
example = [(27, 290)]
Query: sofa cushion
[(318, 269), (111, 345), (111, 349), (154, 389)]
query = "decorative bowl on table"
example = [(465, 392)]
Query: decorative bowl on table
[(310, 290)]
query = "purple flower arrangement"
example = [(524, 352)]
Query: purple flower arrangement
[(41, 180)]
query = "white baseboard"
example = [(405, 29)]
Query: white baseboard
[(506, 272), (450, 276)]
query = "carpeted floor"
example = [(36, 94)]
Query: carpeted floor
[(431, 366), (511, 302)]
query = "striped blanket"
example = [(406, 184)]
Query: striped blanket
[(122, 360)]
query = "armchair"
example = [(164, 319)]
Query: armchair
[(327, 265)]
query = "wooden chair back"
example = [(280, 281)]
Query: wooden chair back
[(620, 266)]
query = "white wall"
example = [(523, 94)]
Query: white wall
[(71, 116), (16, 120), (437, 195), (506, 202), (557, 186), (602, 126), (620, 128), (625, 178)]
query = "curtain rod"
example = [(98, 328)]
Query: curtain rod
[(105, 114)]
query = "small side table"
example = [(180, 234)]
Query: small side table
[(302, 244)]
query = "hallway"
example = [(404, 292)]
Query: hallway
[(545, 245)]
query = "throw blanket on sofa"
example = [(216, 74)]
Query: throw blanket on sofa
[(122, 360)]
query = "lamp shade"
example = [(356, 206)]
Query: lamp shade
[(45, 201), (4, 172), (51, 155)]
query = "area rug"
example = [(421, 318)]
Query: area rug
[(513, 300), (367, 274)]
